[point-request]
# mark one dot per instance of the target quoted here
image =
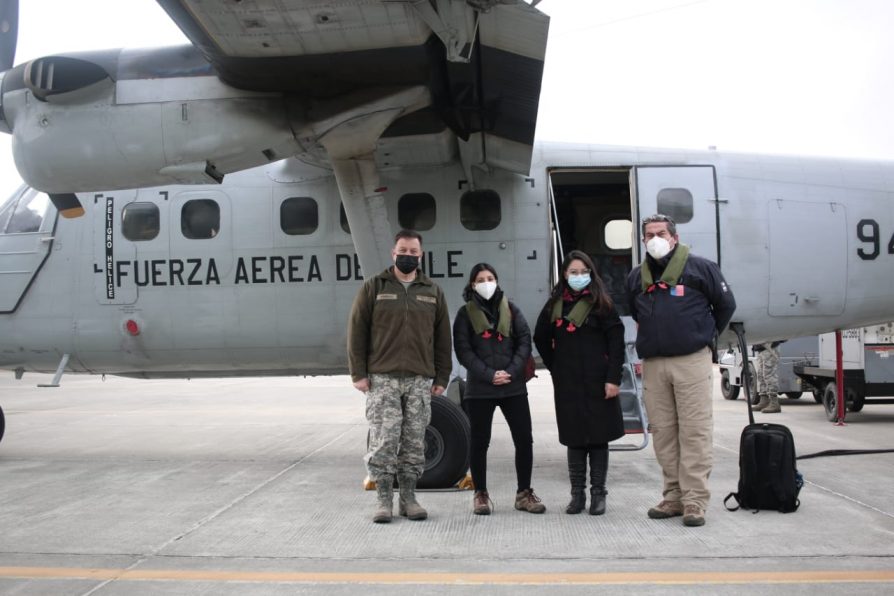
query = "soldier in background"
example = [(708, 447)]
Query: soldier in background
[(399, 354), (768, 377)]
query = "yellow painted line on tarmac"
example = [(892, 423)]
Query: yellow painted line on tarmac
[(466, 579)]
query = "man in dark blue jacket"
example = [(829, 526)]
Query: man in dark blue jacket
[(680, 302)]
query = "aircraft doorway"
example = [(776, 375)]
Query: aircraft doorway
[(592, 213)]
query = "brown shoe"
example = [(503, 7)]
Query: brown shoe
[(481, 504), (526, 500), (666, 509), (693, 515)]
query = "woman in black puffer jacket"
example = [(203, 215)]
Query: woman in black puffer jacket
[(492, 340)]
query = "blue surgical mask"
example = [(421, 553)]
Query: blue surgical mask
[(578, 282)]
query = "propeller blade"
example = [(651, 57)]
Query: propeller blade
[(9, 32)]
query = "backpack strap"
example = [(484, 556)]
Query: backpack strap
[(750, 447), (732, 496), (775, 460)]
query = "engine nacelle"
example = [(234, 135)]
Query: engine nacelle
[(103, 145), (139, 131)]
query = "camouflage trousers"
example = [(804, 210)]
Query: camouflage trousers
[(768, 371), (398, 408)]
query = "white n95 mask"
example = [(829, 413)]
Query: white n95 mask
[(658, 247), (486, 289)]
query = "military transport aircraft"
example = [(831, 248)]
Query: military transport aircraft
[(210, 210)]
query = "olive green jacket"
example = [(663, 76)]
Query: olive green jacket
[(393, 329)]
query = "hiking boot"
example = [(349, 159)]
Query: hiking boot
[(526, 500), (763, 403), (693, 515), (407, 505), (773, 406), (385, 494), (666, 509), (481, 504)]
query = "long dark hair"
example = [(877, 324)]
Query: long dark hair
[(469, 291), (598, 295)]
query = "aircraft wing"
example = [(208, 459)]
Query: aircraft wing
[(480, 60)]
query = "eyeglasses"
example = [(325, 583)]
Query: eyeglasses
[(578, 272)]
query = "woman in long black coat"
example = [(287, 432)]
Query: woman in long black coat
[(581, 340), (492, 340)]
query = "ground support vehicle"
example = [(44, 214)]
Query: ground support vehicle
[(868, 366)]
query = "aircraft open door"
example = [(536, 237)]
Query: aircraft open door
[(688, 194)]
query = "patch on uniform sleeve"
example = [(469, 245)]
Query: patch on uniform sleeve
[(430, 299), (386, 297), (678, 290)]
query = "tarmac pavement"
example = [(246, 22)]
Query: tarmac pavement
[(253, 486)]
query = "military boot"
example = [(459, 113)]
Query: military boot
[(763, 403), (577, 473), (773, 406), (598, 472), (385, 494), (408, 507)]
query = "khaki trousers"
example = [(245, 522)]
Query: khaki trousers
[(677, 392)]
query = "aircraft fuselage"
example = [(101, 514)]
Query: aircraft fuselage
[(145, 284)]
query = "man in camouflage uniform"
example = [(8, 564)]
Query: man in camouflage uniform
[(768, 377), (399, 354)]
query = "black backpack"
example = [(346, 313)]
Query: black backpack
[(768, 478)]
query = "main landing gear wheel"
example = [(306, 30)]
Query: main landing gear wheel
[(727, 389), (2, 424), (447, 445)]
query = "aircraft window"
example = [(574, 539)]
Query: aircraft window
[(618, 234), (299, 216), (200, 219), (480, 210), (677, 203), (27, 214), (416, 211), (140, 221), (343, 219)]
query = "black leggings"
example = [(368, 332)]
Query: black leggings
[(518, 417)]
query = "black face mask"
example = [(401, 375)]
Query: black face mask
[(406, 264)]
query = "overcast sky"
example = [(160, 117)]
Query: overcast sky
[(775, 76)]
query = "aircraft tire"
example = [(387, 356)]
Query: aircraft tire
[(447, 445), (727, 389), (793, 394), (2, 424), (830, 401)]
